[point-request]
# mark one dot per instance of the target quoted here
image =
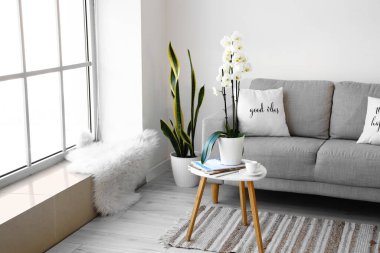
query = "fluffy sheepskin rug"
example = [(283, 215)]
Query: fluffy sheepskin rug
[(117, 169)]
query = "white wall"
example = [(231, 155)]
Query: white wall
[(285, 39), (119, 61), (132, 48), (154, 72)]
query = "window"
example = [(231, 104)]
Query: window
[(47, 86)]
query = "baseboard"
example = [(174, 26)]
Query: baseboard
[(158, 170)]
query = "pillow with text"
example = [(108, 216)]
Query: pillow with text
[(371, 131), (261, 113)]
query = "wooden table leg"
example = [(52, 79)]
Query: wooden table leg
[(215, 193), (243, 203), (255, 216), (198, 200)]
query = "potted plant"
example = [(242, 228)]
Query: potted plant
[(182, 135), (230, 140)]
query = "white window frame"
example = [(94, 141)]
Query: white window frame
[(90, 49)]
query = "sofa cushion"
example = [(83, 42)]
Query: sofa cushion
[(307, 105), (284, 157), (349, 109), (347, 163)]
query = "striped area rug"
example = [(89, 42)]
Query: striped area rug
[(219, 229)]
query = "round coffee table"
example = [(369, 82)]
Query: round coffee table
[(238, 177)]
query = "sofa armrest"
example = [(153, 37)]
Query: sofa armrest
[(211, 124), (215, 122)]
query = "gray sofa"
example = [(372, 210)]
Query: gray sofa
[(321, 157)]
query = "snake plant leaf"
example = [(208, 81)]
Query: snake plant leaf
[(169, 133), (182, 146), (174, 132), (185, 150), (189, 127), (173, 61), (187, 140), (201, 96), (178, 114), (193, 89), (207, 148), (178, 131), (173, 82)]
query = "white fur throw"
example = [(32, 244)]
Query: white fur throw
[(116, 168)]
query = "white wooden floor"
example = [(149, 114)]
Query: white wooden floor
[(138, 229)]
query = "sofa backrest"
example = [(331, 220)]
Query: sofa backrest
[(349, 109), (307, 105)]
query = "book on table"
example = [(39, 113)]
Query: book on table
[(214, 166)]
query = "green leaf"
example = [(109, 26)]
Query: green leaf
[(173, 61), (201, 95), (178, 115), (193, 89), (185, 150), (174, 131), (178, 120), (186, 139), (189, 127), (173, 82), (181, 145), (207, 148), (170, 135)]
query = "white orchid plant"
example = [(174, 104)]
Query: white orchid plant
[(235, 64)]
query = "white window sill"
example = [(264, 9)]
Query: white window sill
[(35, 189)]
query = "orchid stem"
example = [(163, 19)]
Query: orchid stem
[(237, 102), (233, 108), (225, 108)]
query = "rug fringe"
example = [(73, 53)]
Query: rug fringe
[(164, 239)]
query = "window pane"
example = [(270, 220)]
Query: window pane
[(76, 106), (45, 119), (10, 42), (12, 126), (40, 32), (72, 30)]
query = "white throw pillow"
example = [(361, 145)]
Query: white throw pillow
[(371, 131), (261, 112)]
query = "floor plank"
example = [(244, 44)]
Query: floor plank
[(163, 203), (65, 247)]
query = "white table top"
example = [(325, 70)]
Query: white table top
[(237, 176)]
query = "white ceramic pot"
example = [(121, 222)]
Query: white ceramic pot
[(231, 150), (182, 176)]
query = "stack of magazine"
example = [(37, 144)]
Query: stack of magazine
[(213, 166)]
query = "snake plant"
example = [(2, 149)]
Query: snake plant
[(181, 136)]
